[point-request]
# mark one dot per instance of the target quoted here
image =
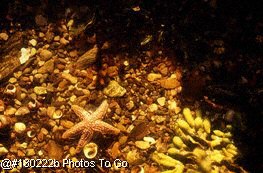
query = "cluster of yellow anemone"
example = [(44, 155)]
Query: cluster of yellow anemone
[(197, 148)]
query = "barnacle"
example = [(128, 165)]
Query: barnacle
[(196, 147)]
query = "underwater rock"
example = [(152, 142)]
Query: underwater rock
[(153, 77), (4, 36), (169, 83), (143, 145), (47, 67), (40, 20), (54, 150), (87, 58), (22, 111), (69, 77), (19, 127), (39, 90), (161, 101), (45, 55), (153, 107), (114, 89), (3, 150), (33, 42)]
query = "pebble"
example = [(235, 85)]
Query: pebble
[(50, 111), (3, 150), (33, 42), (172, 105), (114, 89), (153, 107), (22, 111), (45, 55), (19, 127), (163, 69), (63, 41), (66, 124), (54, 150), (40, 90), (130, 105), (10, 111), (153, 76), (142, 145), (57, 38), (12, 80), (169, 83), (149, 139), (69, 77), (47, 67), (161, 101), (112, 71), (3, 36), (40, 20), (30, 152), (41, 35)]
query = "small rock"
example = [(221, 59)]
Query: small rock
[(153, 107), (33, 42), (40, 20), (112, 71), (63, 41), (162, 69), (130, 105), (54, 150), (10, 111), (73, 53), (161, 101), (57, 38), (114, 89), (169, 83), (142, 145), (45, 55), (19, 127), (47, 67), (30, 152), (66, 124), (133, 157), (153, 76), (40, 90), (22, 111), (172, 105), (41, 35), (3, 150), (69, 77), (87, 58), (3, 36), (50, 111), (12, 80)]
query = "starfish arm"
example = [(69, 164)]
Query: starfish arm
[(84, 139), (80, 112), (104, 128), (100, 112), (73, 130)]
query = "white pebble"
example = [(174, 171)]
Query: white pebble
[(19, 127)]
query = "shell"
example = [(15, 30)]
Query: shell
[(90, 150), (10, 89)]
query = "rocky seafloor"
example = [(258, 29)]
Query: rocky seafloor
[(50, 72)]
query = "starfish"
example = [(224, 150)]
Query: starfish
[(90, 123)]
